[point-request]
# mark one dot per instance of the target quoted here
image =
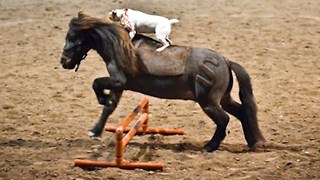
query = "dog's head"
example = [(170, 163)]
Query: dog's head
[(115, 15)]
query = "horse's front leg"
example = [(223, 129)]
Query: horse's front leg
[(110, 101)]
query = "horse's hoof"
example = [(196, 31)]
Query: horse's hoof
[(257, 145), (261, 143), (210, 148), (92, 134)]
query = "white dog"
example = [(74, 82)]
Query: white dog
[(139, 22)]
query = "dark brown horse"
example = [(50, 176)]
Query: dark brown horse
[(178, 72)]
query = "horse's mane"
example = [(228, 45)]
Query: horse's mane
[(115, 40)]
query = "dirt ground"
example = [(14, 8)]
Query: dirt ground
[(46, 111)]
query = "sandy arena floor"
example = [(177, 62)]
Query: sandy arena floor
[(46, 111)]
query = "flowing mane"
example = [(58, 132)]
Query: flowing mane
[(114, 40)]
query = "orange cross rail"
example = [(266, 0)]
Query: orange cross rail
[(121, 141)]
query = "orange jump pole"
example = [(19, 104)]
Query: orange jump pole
[(149, 130), (121, 141)]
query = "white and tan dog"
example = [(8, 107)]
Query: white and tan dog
[(139, 22)]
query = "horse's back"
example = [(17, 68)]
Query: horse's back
[(170, 62), (175, 60)]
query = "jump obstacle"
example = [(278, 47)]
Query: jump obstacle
[(121, 141)]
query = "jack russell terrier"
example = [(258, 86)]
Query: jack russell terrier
[(136, 21)]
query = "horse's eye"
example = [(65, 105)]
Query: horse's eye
[(78, 45), (72, 45)]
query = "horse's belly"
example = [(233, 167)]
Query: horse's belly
[(173, 87)]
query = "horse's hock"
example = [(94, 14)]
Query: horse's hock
[(121, 140)]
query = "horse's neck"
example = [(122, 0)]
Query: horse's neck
[(119, 55)]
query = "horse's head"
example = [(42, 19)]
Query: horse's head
[(75, 49), (76, 43), (109, 39)]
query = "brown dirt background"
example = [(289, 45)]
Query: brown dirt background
[(46, 111)]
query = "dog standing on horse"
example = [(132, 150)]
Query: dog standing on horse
[(139, 22)]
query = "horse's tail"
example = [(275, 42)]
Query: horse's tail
[(173, 21), (249, 107)]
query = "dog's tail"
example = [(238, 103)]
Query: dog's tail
[(173, 21)]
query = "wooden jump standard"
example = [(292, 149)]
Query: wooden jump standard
[(140, 127)]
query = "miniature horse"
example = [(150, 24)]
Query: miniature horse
[(178, 72)]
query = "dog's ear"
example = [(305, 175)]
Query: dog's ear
[(112, 15)]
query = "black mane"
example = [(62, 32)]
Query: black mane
[(109, 39)]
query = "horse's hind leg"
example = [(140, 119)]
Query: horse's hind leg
[(246, 112), (237, 110), (221, 119)]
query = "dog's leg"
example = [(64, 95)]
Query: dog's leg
[(170, 42), (165, 45), (132, 34), (164, 41), (162, 33)]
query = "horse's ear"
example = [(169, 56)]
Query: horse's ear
[(81, 14), (80, 22)]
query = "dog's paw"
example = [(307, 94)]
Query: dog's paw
[(160, 49)]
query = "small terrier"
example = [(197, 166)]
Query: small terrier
[(139, 22)]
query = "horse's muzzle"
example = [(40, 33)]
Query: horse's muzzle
[(66, 62)]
